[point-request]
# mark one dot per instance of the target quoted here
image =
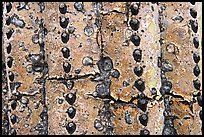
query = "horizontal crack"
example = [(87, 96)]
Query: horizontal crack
[(113, 11), (175, 96), (71, 78), (130, 102)]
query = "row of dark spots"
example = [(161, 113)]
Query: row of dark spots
[(71, 111), (18, 22), (143, 118), (193, 23), (14, 19), (15, 96), (138, 70), (70, 97), (79, 6), (137, 53), (166, 86), (64, 23), (10, 59), (13, 117), (65, 37), (196, 57), (66, 54)]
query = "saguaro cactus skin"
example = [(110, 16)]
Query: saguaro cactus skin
[(102, 68)]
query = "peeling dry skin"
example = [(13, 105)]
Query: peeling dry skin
[(102, 68)]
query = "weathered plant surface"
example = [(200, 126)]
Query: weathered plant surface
[(113, 68)]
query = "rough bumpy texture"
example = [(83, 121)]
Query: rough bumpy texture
[(102, 68)]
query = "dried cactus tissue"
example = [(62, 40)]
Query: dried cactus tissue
[(101, 68)]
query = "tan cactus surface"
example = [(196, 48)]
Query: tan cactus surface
[(101, 68)]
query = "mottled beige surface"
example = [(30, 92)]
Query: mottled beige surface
[(182, 75), (113, 16)]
